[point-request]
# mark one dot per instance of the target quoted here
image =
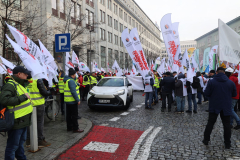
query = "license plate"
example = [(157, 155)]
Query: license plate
[(103, 101)]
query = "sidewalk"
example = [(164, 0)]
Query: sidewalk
[(56, 134)]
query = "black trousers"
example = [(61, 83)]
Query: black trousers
[(85, 91), (72, 116), (226, 125), (62, 102), (169, 97)]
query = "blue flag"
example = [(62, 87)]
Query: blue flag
[(207, 69)]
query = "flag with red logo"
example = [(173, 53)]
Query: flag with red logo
[(7, 63), (2, 69), (133, 71), (161, 68), (138, 46), (48, 58), (75, 58), (133, 53), (83, 67), (31, 48), (168, 36), (68, 63), (30, 62)]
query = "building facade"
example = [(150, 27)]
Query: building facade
[(95, 27), (210, 39)]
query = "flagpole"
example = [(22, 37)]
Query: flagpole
[(14, 80)]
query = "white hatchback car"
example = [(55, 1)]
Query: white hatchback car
[(112, 92)]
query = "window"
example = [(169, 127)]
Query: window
[(110, 4), (102, 34), (54, 4), (126, 60), (116, 56), (116, 39), (109, 37), (120, 13), (121, 27), (130, 20), (133, 23), (72, 9), (110, 58), (91, 18), (87, 17), (102, 2), (110, 21), (121, 43), (121, 60), (115, 24), (115, 8), (125, 16), (137, 25), (102, 18), (103, 56), (78, 16), (62, 6)]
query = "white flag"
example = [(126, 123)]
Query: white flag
[(48, 58), (30, 47), (211, 53), (161, 68), (102, 69), (115, 65), (238, 75), (133, 71), (177, 62), (195, 65), (74, 58), (30, 62), (7, 63), (185, 59), (83, 67), (229, 43), (190, 73), (2, 69), (176, 35)]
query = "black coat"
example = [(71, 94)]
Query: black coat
[(42, 89), (167, 84)]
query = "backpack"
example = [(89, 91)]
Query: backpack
[(196, 83), (6, 118)]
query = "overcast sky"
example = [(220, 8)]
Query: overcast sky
[(195, 17)]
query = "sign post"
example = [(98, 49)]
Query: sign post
[(62, 45)]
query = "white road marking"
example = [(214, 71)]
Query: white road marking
[(114, 119), (104, 125), (124, 113), (132, 110), (102, 147), (139, 106), (134, 151), (143, 103), (148, 143)]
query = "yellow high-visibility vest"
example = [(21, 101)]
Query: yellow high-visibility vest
[(61, 85), (67, 92), (86, 82), (93, 80), (25, 107), (34, 93)]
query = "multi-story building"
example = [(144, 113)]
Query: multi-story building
[(210, 39), (95, 27)]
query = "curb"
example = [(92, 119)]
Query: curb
[(54, 155)]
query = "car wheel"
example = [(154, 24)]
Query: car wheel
[(131, 99), (127, 104)]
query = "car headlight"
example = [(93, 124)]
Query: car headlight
[(91, 92), (121, 92)]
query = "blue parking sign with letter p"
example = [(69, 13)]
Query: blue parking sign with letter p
[(63, 42)]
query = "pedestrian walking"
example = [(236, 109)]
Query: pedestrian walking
[(220, 91), (72, 100), (15, 96)]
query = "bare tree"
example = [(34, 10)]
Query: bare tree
[(23, 15)]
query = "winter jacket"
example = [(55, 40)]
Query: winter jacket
[(42, 89), (234, 78), (179, 86), (72, 86), (9, 97), (220, 91), (167, 84), (189, 89)]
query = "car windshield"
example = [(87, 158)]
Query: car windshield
[(111, 82)]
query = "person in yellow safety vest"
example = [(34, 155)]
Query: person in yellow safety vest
[(15, 97), (102, 75), (86, 83), (155, 88), (6, 79), (93, 80), (38, 92), (61, 90), (72, 100)]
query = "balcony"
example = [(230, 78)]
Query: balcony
[(54, 12), (62, 15), (73, 20)]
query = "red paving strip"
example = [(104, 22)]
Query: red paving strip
[(124, 137)]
